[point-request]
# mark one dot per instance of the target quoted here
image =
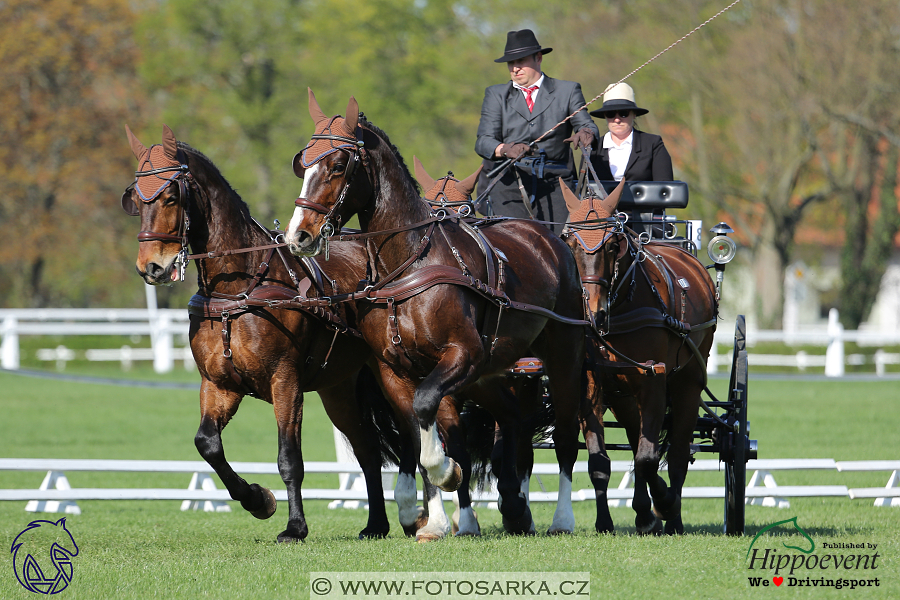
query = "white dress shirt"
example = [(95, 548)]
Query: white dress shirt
[(618, 155), (534, 94)]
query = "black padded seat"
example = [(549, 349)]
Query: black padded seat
[(648, 196)]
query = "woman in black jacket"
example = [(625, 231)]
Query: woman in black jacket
[(625, 151)]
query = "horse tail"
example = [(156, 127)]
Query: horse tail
[(379, 414), (539, 423), (479, 426)]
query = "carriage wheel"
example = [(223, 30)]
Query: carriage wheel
[(736, 465)]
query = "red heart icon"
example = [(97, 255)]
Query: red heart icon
[(778, 580)]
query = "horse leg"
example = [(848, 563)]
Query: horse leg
[(685, 403), (217, 406), (288, 404), (344, 410), (464, 520), (412, 518), (599, 465), (454, 370), (651, 400), (563, 360)]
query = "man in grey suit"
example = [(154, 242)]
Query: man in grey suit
[(516, 113)]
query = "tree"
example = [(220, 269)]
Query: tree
[(66, 86)]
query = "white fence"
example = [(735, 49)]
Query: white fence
[(56, 494), (165, 325), (833, 337)]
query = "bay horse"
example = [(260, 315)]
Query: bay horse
[(654, 309), (456, 320), (247, 333)]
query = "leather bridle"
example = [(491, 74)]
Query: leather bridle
[(184, 179), (355, 147)]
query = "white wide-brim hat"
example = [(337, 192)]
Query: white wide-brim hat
[(619, 97)]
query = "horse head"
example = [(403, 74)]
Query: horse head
[(332, 186), (159, 197), (595, 237), (447, 193)]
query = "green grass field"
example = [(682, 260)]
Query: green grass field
[(152, 549)]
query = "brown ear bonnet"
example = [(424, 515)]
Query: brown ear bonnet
[(327, 132), (440, 194), (158, 166), (589, 208)]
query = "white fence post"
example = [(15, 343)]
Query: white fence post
[(9, 351), (834, 355), (162, 349), (54, 480)]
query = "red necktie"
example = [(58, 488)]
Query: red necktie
[(528, 100)]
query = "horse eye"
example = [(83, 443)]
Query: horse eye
[(338, 169)]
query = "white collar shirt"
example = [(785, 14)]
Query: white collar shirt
[(534, 94), (618, 155)]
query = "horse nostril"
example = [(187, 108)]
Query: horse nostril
[(303, 239), (154, 270)]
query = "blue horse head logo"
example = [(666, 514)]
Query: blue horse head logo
[(30, 550)]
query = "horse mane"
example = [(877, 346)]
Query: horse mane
[(211, 173), (365, 122)]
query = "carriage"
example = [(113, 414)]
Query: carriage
[(434, 311)]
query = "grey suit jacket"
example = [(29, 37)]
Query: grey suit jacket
[(505, 118)]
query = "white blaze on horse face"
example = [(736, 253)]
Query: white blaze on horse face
[(297, 217), (432, 457), (564, 517)]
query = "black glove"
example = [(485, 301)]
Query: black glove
[(515, 151), (583, 138)]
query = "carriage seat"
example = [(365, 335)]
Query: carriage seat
[(649, 196)]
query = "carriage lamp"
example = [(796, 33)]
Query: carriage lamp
[(721, 250)]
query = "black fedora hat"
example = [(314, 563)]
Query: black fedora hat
[(619, 97), (520, 44)]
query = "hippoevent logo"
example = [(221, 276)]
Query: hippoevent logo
[(803, 566), (42, 556)]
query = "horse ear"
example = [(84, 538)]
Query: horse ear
[(170, 144), (422, 175), (612, 201), (572, 201), (352, 117), (314, 111), (467, 185), (137, 148)]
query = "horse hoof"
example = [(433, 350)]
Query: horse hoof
[(667, 509), (291, 537), (454, 480), (476, 533), (424, 538), (674, 527), (269, 504), (522, 525), (372, 535), (655, 527), (605, 526), (557, 531)]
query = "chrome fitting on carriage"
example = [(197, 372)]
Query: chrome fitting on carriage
[(721, 250)]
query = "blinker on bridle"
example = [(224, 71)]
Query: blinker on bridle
[(184, 222)]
